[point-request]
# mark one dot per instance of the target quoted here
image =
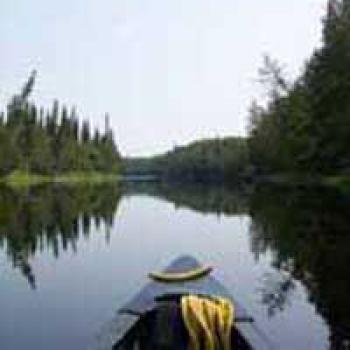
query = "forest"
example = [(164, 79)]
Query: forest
[(214, 160), (305, 125), (52, 142), (302, 129)]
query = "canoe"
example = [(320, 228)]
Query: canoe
[(122, 331)]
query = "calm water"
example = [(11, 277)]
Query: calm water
[(70, 256)]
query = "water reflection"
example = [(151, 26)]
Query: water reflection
[(51, 218), (306, 231), (276, 291), (206, 199)]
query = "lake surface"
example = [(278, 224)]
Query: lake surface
[(70, 256)]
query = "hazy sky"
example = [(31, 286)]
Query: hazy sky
[(167, 71)]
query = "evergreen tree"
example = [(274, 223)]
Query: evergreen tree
[(85, 132), (305, 126), (49, 143)]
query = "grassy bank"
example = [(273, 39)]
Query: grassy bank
[(19, 178)]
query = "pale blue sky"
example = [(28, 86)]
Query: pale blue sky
[(167, 71)]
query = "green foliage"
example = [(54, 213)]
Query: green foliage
[(201, 161), (305, 126), (51, 142), (19, 178)]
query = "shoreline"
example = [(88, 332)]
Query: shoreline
[(23, 179), (341, 182)]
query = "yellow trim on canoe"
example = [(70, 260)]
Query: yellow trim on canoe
[(181, 276)]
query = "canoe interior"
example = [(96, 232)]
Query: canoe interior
[(134, 324), (142, 336)]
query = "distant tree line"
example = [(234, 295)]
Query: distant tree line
[(212, 160), (305, 126), (302, 129), (52, 141)]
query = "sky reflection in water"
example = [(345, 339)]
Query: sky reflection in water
[(69, 256)]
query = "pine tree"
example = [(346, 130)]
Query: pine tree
[(51, 142)]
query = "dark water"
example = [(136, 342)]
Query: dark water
[(70, 256)]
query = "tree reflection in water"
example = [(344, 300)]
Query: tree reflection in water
[(307, 232), (276, 291), (51, 217)]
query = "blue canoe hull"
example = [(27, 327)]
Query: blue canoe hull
[(146, 301)]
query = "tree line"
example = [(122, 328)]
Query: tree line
[(211, 160), (51, 142), (305, 125)]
